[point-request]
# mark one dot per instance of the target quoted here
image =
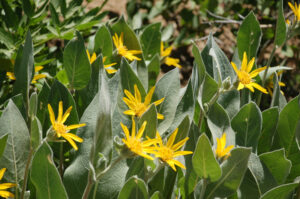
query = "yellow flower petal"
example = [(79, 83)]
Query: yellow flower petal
[(172, 138), (2, 171), (6, 194), (51, 114), (259, 87)]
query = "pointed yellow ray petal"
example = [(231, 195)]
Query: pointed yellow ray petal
[(161, 48), (172, 138), (249, 86), (235, 68), (111, 71), (93, 58), (66, 115), (7, 185), (137, 94), (38, 68), (125, 130), (109, 65), (171, 163), (179, 164), (75, 126), (115, 40), (223, 141), (2, 171), (149, 96), (227, 149), (257, 71), (281, 83), (131, 104), (141, 130), (292, 7), (240, 86), (133, 127), (146, 156), (38, 76), (129, 112), (60, 111), (250, 64), (74, 137), (179, 144), (160, 116), (73, 144), (129, 95), (88, 54), (158, 102), (244, 62), (178, 153), (51, 114), (6, 194), (259, 87)]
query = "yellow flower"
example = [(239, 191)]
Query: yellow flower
[(221, 151), (166, 58), (167, 153), (36, 77), (134, 142), (135, 104), (270, 84), (61, 129), (108, 70), (122, 49), (287, 22), (245, 76), (296, 10), (4, 186)]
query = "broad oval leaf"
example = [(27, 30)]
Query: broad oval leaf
[(204, 161), (103, 41), (247, 125), (280, 34), (45, 176), (249, 36), (17, 148), (233, 171), (150, 40), (76, 63)]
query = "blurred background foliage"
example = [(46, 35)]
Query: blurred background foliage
[(53, 22)]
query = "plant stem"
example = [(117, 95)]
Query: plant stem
[(203, 188), (95, 190), (88, 186), (61, 159), (25, 175)]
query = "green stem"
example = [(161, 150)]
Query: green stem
[(116, 161), (61, 159), (203, 188), (156, 170), (88, 186), (25, 176), (95, 190)]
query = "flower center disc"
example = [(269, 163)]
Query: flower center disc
[(166, 154), (244, 77), (60, 128), (135, 145)]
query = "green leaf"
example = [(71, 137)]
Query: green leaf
[(42, 104), (216, 63), (280, 34), (151, 117), (167, 87), (204, 161), (248, 188), (33, 104), (153, 70), (219, 123), (156, 195), (209, 89), (28, 8), (36, 133), (230, 101), (17, 148), (262, 175), (134, 188), (3, 140), (247, 124), (198, 73), (277, 164), (277, 99), (150, 40), (54, 15), (76, 63), (280, 192), (270, 120), (289, 120), (45, 176), (23, 68), (185, 107), (103, 41), (249, 36), (233, 170)]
